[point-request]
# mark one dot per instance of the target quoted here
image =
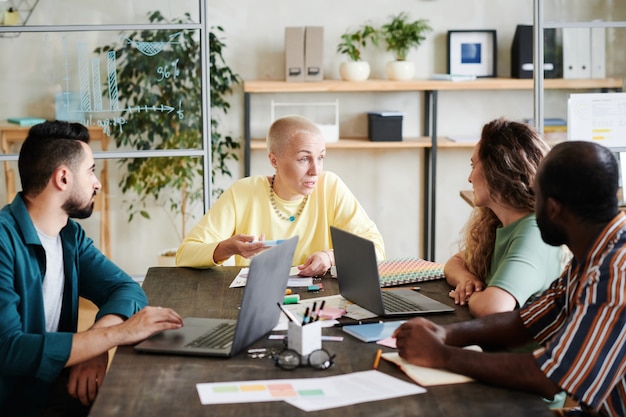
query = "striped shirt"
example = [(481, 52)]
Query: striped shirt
[(580, 322)]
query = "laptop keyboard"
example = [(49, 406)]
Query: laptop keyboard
[(221, 337), (396, 304)]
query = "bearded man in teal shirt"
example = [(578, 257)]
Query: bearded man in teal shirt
[(47, 368)]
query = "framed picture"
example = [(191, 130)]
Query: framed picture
[(472, 52)]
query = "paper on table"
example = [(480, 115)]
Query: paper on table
[(264, 390), (241, 278), (356, 388), (428, 376), (294, 280)]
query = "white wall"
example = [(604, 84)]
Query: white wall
[(388, 183)]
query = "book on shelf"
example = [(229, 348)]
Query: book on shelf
[(408, 270), (452, 77), (548, 121), (25, 121)]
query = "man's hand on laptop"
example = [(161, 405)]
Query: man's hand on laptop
[(147, 322)]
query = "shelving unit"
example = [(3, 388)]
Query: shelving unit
[(24, 8), (429, 142)]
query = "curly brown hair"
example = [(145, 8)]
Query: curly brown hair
[(509, 153)]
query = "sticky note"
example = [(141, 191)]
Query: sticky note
[(332, 313)]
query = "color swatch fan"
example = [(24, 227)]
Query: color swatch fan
[(408, 270)]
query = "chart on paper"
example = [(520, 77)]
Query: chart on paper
[(269, 390)]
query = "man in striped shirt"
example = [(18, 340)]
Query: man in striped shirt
[(579, 321)]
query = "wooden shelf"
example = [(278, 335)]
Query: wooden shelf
[(268, 86), (362, 143), (429, 90)]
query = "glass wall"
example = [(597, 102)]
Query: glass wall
[(132, 73)]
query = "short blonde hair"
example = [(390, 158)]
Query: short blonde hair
[(284, 129)]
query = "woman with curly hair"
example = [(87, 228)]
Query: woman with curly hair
[(503, 261)]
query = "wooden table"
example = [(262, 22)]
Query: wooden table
[(12, 134), (158, 385)]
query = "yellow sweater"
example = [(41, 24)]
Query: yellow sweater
[(246, 208)]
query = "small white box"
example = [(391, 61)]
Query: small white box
[(304, 339), (325, 115)]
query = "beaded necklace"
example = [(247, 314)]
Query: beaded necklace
[(275, 207)]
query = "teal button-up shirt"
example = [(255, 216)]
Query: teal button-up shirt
[(31, 358)]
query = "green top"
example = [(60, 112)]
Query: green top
[(522, 264)]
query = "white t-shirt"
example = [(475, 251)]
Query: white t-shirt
[(53, 281)]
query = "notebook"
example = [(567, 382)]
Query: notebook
[(258, 314), (373, 332), (408, 270), (358, 278)]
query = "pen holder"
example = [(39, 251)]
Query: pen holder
[(304, 339)]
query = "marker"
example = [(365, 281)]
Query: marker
[(269, 242), (415, 288), (377, 358), (317, 315), (291, 299), (305, 318)]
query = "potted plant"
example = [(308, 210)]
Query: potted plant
[(351, 43), (401, 35), (173, 183)]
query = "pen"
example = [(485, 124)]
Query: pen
[(313, 310), (377, 358), (317, 315), (305, 318), (341, 324), (287, 313)]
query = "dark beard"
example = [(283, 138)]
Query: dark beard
[(550, 233), (76, 210)]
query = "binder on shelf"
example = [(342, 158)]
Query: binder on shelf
[(294, 53), (576, 53), (598, 52), (314, 53), (522, 53)]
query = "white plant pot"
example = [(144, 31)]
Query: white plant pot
[(354, 71), (400, 70)]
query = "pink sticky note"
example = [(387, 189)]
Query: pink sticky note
[(388, 341), (332, 313)]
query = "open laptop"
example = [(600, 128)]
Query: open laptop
[(258, 313), (357, 275)]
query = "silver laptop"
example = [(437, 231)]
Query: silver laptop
[(258, 314), (357, 275)]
